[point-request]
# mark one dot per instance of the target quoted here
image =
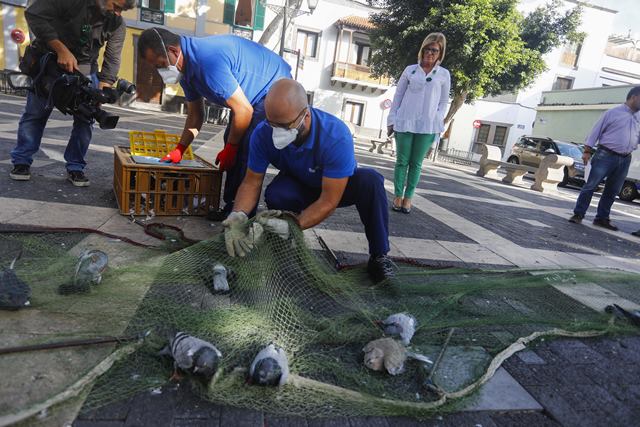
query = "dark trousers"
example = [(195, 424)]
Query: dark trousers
[(365, 189), (31, 128), (614, 168), (236, 174)]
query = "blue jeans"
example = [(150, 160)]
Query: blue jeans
[(603, 165), (31, 127), (236, 174), (365, 189)]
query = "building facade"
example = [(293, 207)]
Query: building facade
[(333, 46), (504, 119)]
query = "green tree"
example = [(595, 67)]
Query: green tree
[(491, 47)]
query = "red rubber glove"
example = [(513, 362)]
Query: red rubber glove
[(227, 157), (174, 156)]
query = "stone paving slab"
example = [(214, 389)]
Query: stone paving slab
[(503, 393), (555, 238)]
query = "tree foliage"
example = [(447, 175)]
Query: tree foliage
[(491, 47)]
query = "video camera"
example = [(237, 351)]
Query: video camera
[(74, 93)]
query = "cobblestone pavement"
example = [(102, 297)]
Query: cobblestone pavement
[(458, 219)]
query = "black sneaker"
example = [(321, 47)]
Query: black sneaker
[(78, 179), (605, 223), (576, 219), (20, 173), (381, 268), (636, 233)]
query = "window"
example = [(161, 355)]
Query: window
[(528, 144), (363, 53), (570, 55), (499, 136), (244, 13), (152, 4), (563, 83), (545, 145), (153, 11), (307, 43), (353, 112), (483, 134)]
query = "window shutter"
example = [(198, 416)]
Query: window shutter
[(169, 6), (229, 12), (258, 23)]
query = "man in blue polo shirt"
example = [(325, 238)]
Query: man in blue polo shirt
[(314, 153), (225, 69)]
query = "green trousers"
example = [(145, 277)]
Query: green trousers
[(410, 151)]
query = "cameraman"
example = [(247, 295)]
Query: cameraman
[(75, 30)]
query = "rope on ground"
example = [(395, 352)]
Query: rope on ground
[(74, 390), (496, 362)]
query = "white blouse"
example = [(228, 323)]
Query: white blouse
[(419, 106)]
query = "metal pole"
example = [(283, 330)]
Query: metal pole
[(284, 28)]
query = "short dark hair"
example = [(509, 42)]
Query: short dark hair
[(153, 38), (129, 4), (633, 92)]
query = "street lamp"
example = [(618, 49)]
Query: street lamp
[(311, 4)]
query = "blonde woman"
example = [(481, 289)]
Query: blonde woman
[(417, 116)]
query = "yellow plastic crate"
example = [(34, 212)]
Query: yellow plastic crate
[(155, 144)]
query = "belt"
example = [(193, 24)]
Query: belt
[(609, 150)]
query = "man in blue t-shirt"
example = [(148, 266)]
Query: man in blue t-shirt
[(314, 153), (226, 70)]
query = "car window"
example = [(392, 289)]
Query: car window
[(528, 143), (570, 150), (545, 145)]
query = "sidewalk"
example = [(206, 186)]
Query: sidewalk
[(457, 220)]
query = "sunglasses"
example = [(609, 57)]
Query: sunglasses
[(287, 125), (431, 50)]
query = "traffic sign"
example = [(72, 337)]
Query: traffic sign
[(386, 104), (477, 124), (17, 35)]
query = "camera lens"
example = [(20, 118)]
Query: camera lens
[(106, 120)]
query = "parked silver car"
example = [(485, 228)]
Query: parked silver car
[(530, 150)]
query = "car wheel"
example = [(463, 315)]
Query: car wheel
[(513, 159), (628, 192), (565, 178)]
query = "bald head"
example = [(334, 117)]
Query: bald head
[(285, 100)]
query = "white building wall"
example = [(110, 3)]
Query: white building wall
[(317, 72), (607, 78)]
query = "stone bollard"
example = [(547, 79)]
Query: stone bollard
[(550, 172)]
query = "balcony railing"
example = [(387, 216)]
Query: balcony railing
[(360, 73)]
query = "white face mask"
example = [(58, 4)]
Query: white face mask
[(170, 75), (283, 137)]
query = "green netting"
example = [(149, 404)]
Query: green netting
[(285, 293)]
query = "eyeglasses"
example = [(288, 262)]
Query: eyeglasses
[(287, 125), (431, 50)]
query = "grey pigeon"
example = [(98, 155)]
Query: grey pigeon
[(270, 367), (220, 282), (401, 324), (193, 355), (14, 293), (89, 269)]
